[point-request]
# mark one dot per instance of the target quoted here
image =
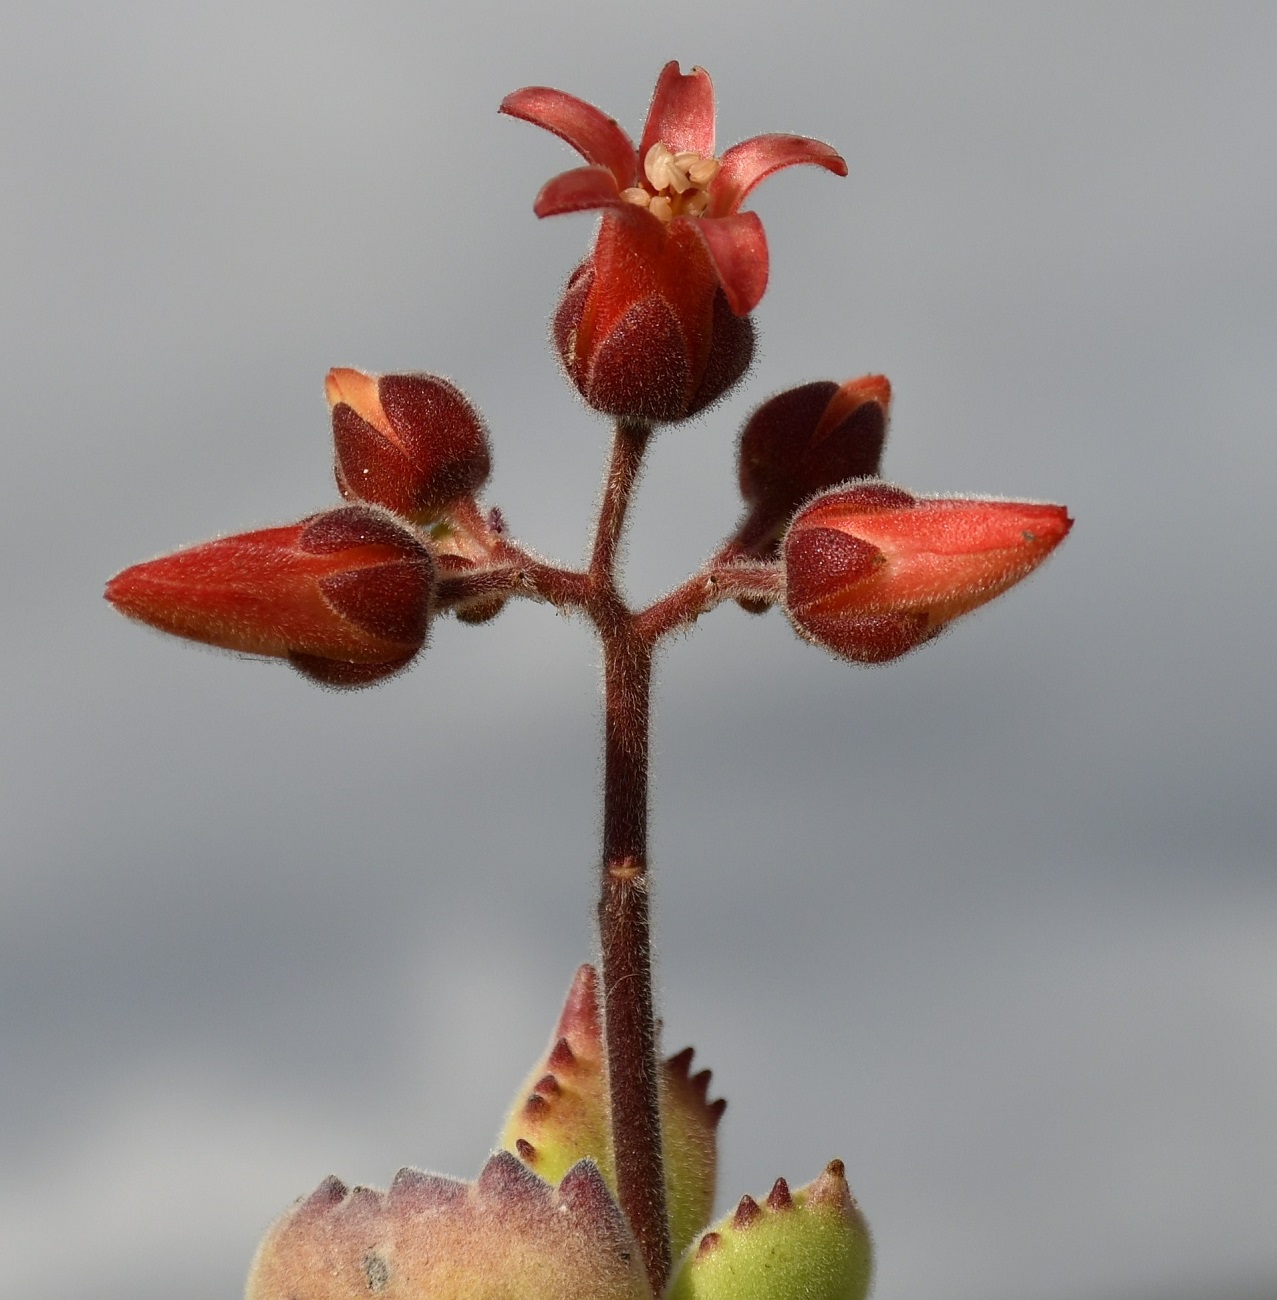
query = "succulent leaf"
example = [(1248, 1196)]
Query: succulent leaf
[(507, 1236), (561, 1114), (812, 1244)]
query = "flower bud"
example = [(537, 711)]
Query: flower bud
[(344, 595), (871, 572), (811, 1244), (806, 440), (411, 443), (644, 329)]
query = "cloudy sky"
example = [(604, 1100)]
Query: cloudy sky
[(997, 925)]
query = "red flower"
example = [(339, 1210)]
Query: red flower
[(344, 595), (652, 325), (871, 572)]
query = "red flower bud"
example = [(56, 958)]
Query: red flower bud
[(871, 572), (806, 440), (411, 443), (344, 595)]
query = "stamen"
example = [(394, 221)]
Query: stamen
[(637, 195), (679, 181), (657, 166)]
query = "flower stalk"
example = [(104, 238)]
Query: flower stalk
[(624, 919), (625, 939)]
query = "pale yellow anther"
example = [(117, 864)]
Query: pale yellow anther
[(680, 181), (659, 167), (637, 195)]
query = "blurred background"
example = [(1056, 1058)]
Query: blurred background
[(997, 924)]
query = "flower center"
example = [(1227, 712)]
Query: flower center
[(680, 183)]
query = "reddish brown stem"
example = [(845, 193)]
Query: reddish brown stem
[(629, 1018), (518, 574), (628, 446), (628, 1015), (717, 582)]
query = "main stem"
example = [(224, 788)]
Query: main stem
[(629, 1018)]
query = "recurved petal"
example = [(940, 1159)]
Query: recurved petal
[(682, 112), (738, 248), (580, 190), (599, 139), (751, 162)]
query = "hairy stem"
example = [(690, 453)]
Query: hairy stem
[(628, 1016), (629, 1019), (718, 581), (628, 446)]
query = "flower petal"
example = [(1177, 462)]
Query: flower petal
[(738, 248), (579, 190), (682, 112), (598, 138), (747, 164)]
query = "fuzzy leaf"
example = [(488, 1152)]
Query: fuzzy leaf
[(812, 1244), (561, 1114), (507, 1236)]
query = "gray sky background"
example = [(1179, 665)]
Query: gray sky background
[(996, 924)]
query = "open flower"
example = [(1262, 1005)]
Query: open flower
[(653, 325)]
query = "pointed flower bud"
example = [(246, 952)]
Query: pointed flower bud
[(812, 1244), (344, 595), (411, 443), (871, 571), (654, 324), (562, 1114), (806, 440)]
